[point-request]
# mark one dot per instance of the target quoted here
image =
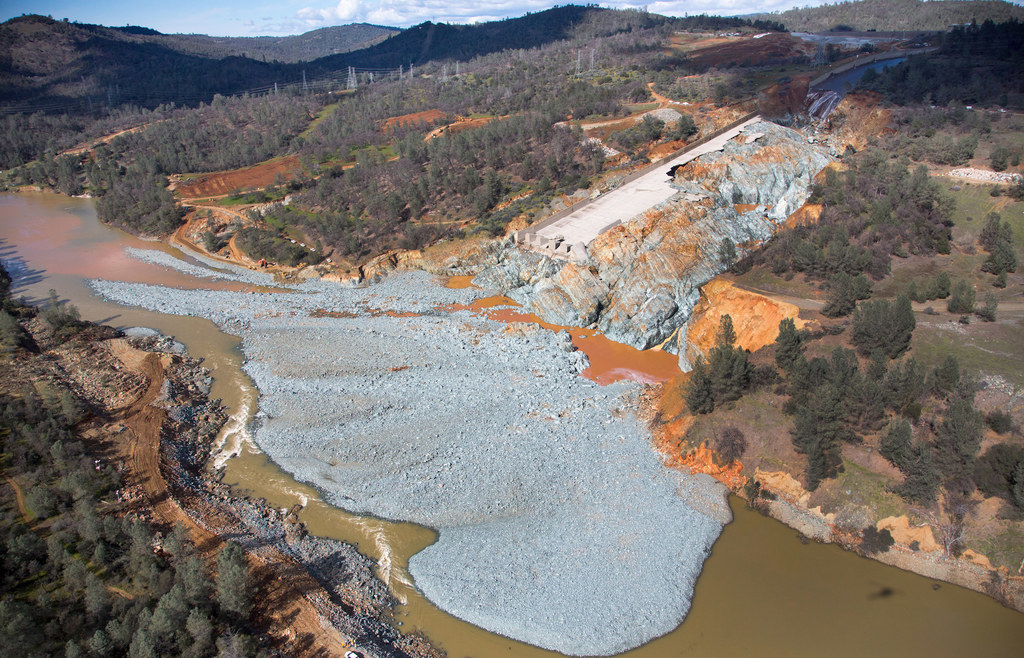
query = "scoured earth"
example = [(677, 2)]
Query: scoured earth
[(545, 490), (643, 278)]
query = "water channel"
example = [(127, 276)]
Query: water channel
[(762, 590)]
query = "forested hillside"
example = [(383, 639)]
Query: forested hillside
[(291, 49), (83, 574), (979, 65), (889, 15), (364, 189)]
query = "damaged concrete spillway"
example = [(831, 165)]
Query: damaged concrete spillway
[(568, 234), (641, 279), (558, 524)]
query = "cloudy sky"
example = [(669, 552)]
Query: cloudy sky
[(281, 17)]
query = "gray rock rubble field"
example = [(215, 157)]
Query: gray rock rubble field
[(558, 524)]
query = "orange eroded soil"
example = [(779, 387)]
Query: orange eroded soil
[(459, 126), (255, 177), (281, 603), (747, 51), (426, 116), (755, 317), (19, 496)]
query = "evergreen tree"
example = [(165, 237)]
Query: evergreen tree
[(729, 368), (961, 300), (235, 589), (922, 477), (843, 293), (940, 286), (882, 326), (988, 311), (788, 345), (896, 444), (727, 253), (1018, 484), (700, 399), (1002, 259), (818, 431), (958, 437), (200, 629), (946, 376)]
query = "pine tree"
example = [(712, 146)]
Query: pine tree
[(896, 444), (958, 437), (818, 431), (200, 629), (788, 345), (882, 326), (729, 368), (922, 477), (699, 397), (961, 299), (234, 585), (727, 253), (946, 376), (988, 311), (1018, 484)]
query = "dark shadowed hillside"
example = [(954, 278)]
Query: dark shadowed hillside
[(437, 41), (53, 65), (297, 48)]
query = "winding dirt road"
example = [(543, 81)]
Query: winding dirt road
[(282, 604)]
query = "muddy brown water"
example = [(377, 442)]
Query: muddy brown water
[(762, 590)]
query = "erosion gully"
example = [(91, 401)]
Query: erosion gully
[(762, 590)]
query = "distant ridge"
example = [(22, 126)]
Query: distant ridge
[(299, 48), (890, 15), (439, 41)]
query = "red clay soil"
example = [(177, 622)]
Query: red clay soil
[(255, 177), (460, 125), (282, 607), (749, 52), (426, 116)]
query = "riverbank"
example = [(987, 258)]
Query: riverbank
[(151, 415), (543, 486)]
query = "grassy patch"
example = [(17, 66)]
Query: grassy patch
[(642, 107), (857, 485), (992, 348), (324, 112), (974, 201), (761, 279), (256, 196), (1005, 548), (759, 416)]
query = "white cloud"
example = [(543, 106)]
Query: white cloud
[(403, 13)]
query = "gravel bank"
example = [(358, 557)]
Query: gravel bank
[(558, 524)]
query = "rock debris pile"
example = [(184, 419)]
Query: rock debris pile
[(558, 524)]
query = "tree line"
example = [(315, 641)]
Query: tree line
[(80, 576)]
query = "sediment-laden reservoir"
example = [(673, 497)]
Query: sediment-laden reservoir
[(556, 522)]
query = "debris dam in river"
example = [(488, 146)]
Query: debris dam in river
[(558, 525)]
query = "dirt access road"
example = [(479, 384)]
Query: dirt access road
[(282, 604)]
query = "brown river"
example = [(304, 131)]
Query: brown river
[(761, 591)]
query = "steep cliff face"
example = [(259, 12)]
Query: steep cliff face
[(642, 278)]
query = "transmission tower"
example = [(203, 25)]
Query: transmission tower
[(351, 78)]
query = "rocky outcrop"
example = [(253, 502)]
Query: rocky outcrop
[(641, 279)]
